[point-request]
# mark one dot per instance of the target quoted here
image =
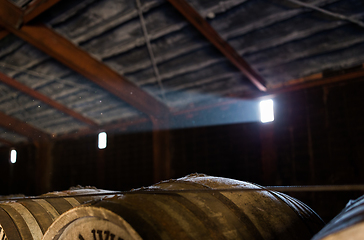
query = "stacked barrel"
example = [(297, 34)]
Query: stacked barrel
[(348, 224), (171, 213), (29, 219)]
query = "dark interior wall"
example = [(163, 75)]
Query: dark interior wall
[(316, 138), (319, 135), (18, 178), (126, 163), (231, 151), (319, 139)]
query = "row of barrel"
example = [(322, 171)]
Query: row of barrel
[(171, 213)]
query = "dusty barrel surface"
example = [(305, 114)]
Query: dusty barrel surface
[(348, 224), (192, 215), (29, 219)]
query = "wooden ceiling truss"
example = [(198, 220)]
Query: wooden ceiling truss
[(21, 17), (17, 21)]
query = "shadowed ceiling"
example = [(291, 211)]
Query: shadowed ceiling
[(73, 66)]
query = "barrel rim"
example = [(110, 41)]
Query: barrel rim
[(66, 219)]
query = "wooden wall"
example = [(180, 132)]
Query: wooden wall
[(317, 138)]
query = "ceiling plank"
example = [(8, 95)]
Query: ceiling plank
[(225, 48), (21, 87), (22, 128), (80, 61)]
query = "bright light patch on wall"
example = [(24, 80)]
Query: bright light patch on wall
[(266, 111), (13, 154), (102, 140)]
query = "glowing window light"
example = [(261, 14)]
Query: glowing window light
[(102, 140), (266, 111), (13, 154)]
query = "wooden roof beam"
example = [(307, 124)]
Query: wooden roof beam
[(225, 48), (11, 82), (33, 10), (66, 52), (22, 128), (80, 61)]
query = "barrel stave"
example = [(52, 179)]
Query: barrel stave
[(192, 215)]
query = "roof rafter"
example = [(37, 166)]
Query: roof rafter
[(22, 128), (15, 84), (33, 10), (225, 48), (80, 61), (293, 85)]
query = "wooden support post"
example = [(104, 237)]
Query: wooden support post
[(161, 149), (44, 166), (268, 153)]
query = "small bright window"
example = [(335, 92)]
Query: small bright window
[(13, 154), (266, 111), (102, 140)]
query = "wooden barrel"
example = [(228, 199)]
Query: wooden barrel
[(192, 215), (348, 224), (29, 219)]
